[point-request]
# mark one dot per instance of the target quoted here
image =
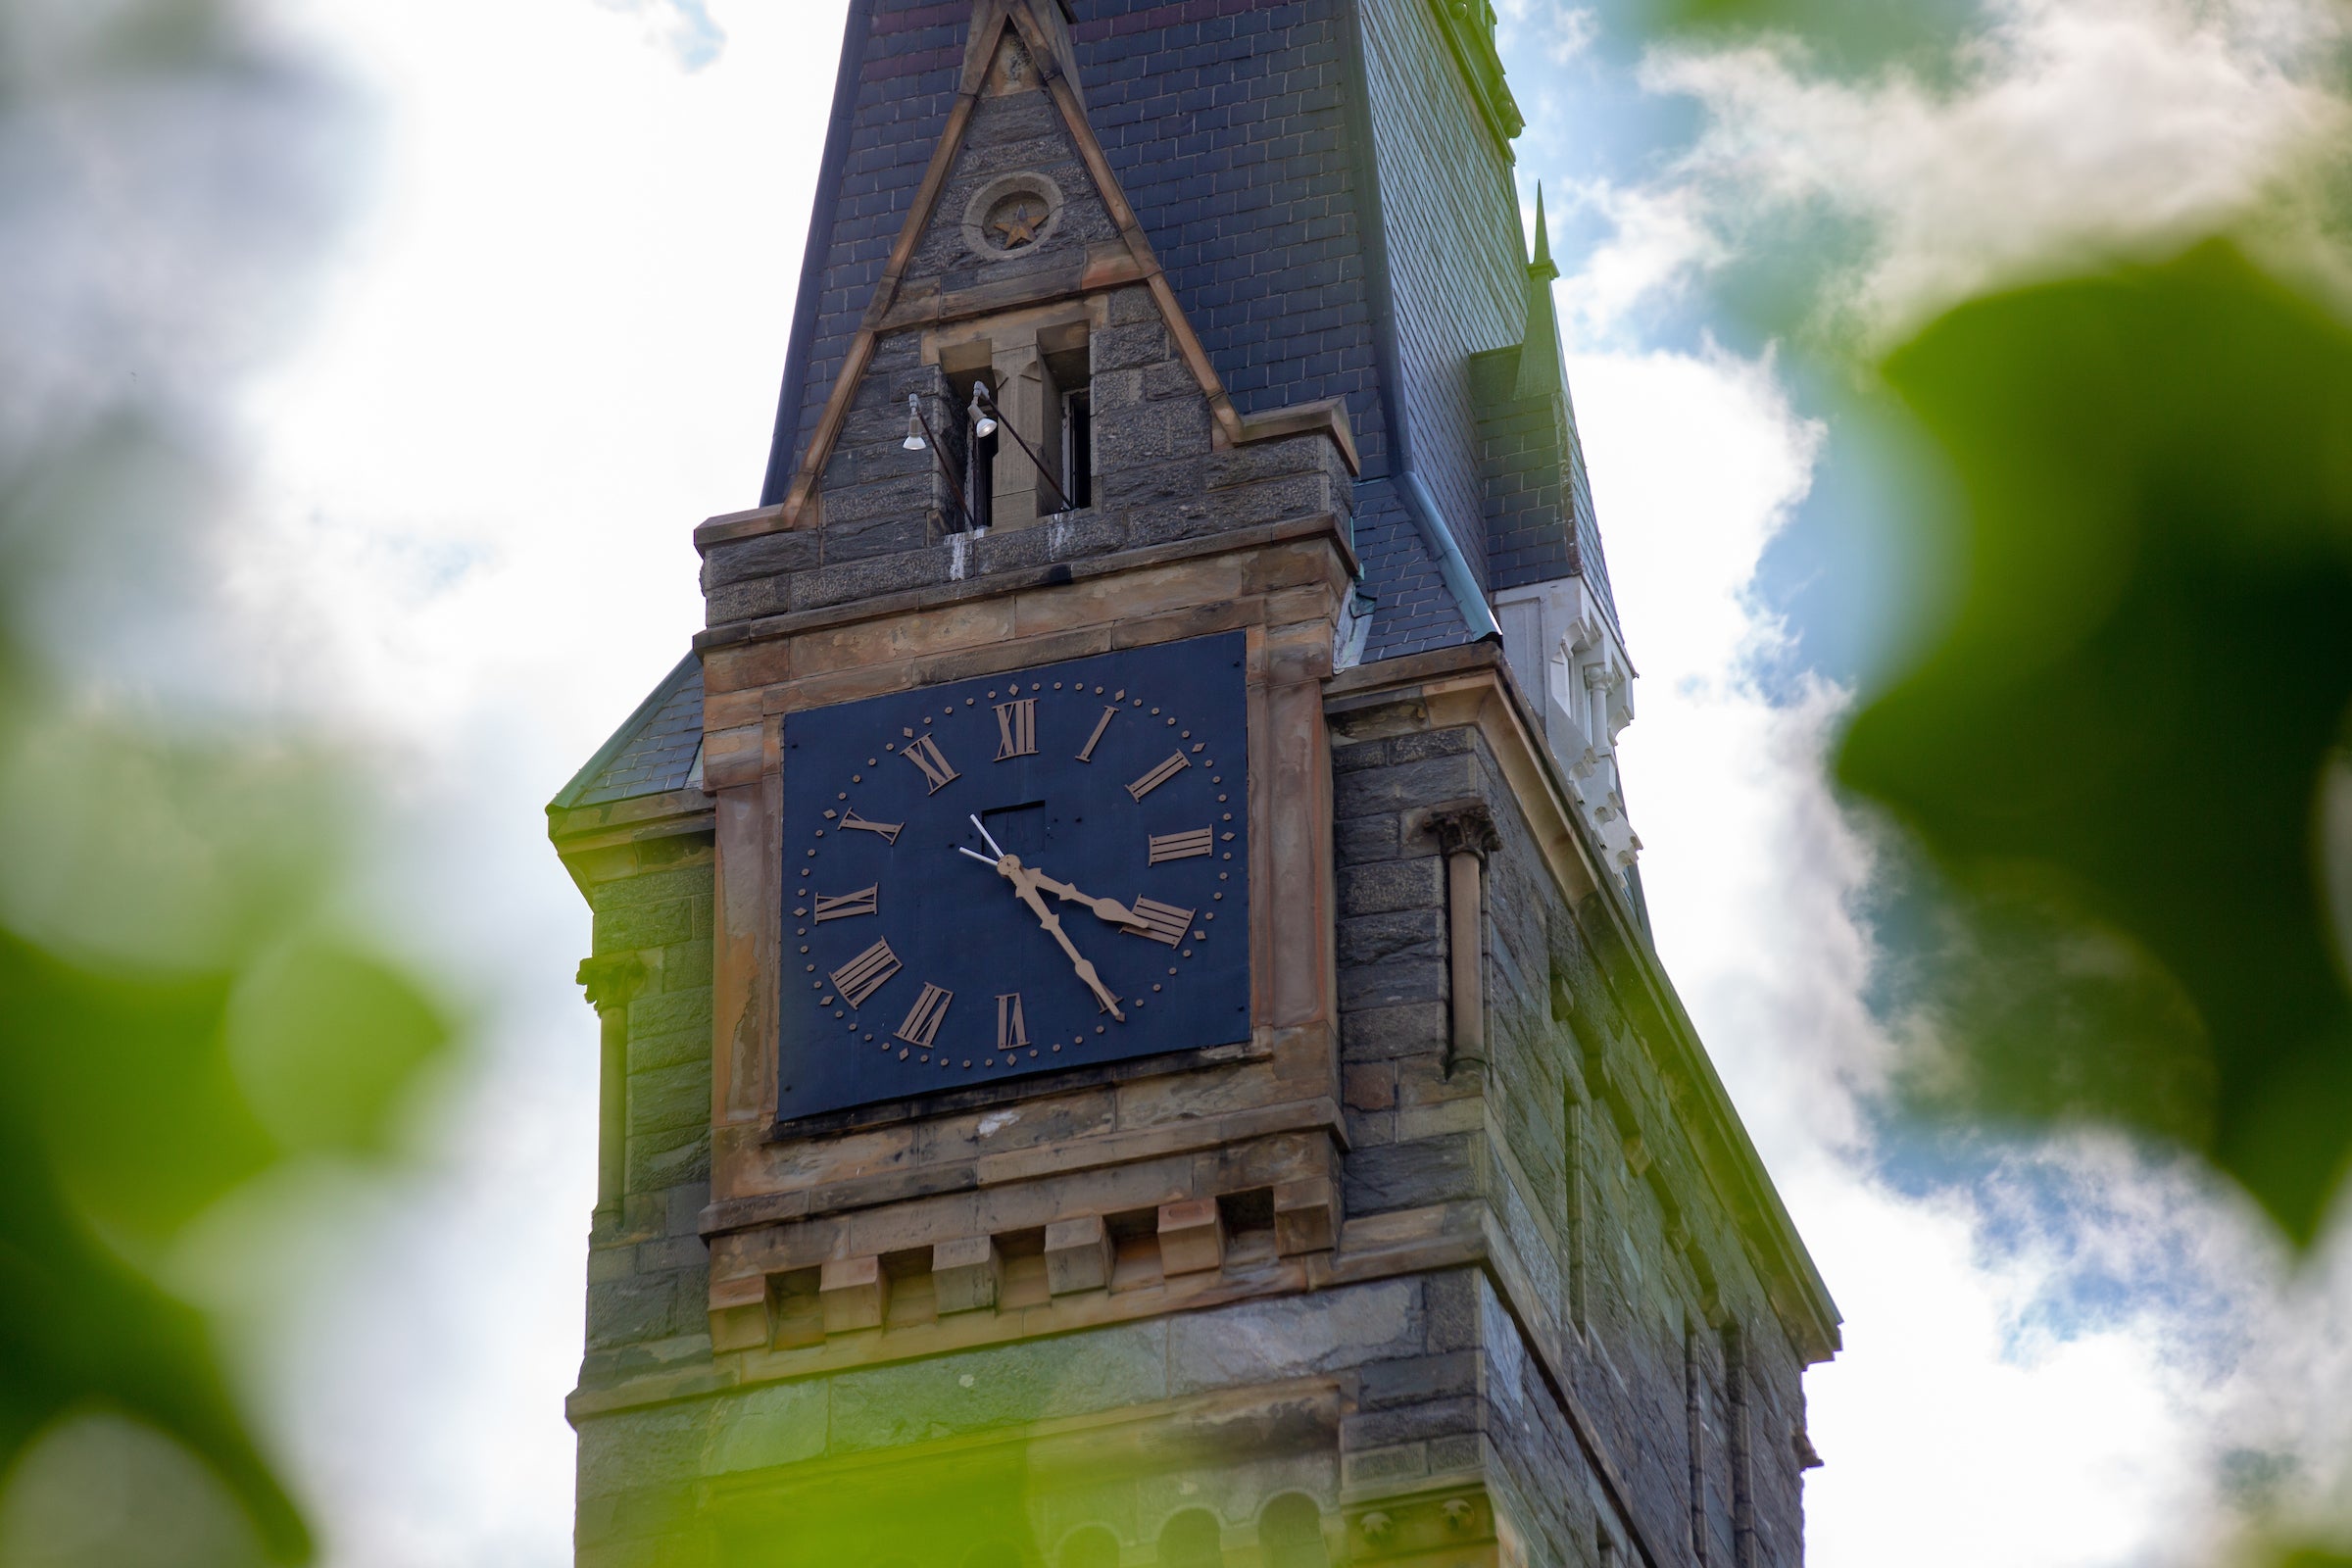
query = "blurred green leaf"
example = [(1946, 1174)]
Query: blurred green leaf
[(77, 1323), (1845, 32), (324, 1040), (2121, 739), (133, 1099)]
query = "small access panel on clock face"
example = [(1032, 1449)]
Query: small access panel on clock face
[(1018, 875)]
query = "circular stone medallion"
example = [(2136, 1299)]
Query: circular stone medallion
[(1012, 215)]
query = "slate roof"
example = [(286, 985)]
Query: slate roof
[(656, 748)]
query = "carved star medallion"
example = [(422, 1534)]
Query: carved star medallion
[(1018, 224)]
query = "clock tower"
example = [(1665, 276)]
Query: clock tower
[(1128, 1027)]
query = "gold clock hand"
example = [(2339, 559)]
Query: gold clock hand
[(1110, 909), (1024, 887)]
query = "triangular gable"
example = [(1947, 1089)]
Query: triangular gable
[(1045, 37)]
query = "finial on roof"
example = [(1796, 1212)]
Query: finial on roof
[(1540, 349)]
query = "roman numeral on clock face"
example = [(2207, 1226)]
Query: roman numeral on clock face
[(1175, 764), (862, 977), (1100, 724), (888, 831), (841, 907), (1016, 728), (1161, 922), (921, 1023), (923, 752), (1011, 1032), (1177, 846)]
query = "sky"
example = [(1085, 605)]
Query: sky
[(505, 319)]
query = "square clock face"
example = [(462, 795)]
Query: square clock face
[(1017, 875)]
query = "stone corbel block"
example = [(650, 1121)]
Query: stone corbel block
[(1077, 1254), (739, 1314), (1191, 1237), (968, 1274), (1305, 1217), (853, 1294)]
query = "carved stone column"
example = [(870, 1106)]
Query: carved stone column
[(1466, 836), (613, 981)]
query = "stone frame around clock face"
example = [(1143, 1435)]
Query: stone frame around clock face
[(909, 965), (1279, 587)]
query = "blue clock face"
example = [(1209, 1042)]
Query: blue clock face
[(1017, 875)]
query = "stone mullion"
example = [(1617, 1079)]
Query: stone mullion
[(1466, 834), (1743, 1507), (612, 981), (1695, 1414)]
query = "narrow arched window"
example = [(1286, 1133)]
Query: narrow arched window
[(1192, 1539), (1290, 1533), (1092, 1547)]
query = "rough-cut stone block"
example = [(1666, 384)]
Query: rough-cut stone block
[(853, 1294), (739, 1328), (968, 1274), (1434, 1170), (1191, 1237), (1077, 1254), (988, 1389), (1306, 1217)]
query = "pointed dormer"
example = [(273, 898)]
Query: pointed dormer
[(1544, 557)]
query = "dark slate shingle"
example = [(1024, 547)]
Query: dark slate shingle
[(654, 751)]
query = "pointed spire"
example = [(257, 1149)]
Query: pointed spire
[(1540, 370), (1543, 261)]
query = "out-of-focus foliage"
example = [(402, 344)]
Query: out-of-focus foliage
[(2126, 752), (137, 1090), (1851, 32), (2117, 751), (187, 999)]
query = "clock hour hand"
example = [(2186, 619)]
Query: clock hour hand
[(1110, 909)]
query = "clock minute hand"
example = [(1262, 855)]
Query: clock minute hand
[(1024, 887)]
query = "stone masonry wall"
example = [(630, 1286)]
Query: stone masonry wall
[(649, 1274), (1663, 1274), (1349, 1396)]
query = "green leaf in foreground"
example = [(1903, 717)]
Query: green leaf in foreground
[(176, 1025), (2126, 725)]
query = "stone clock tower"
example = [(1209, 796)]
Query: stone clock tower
[(1129, 1030)]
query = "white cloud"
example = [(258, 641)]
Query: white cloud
[(1558, 30), (2069, 127), (685, 27)]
